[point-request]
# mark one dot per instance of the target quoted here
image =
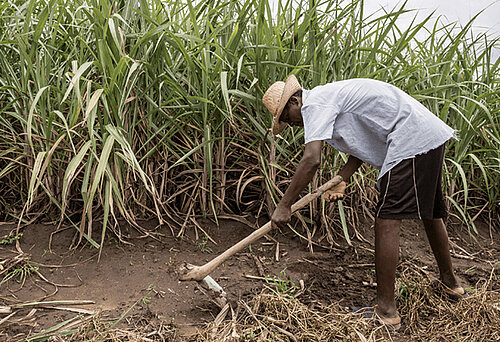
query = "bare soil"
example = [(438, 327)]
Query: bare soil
[(143, 275)]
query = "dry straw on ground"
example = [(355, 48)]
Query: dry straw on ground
[(143, 327), (287, 313), (426, 314)]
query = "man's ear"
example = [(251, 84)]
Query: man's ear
[(294, 100)]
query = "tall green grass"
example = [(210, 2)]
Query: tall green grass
[(136, 109)]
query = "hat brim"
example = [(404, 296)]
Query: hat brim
[(292, 85)]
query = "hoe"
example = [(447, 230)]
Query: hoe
[(201, 273)]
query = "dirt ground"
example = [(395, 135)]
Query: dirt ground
[(143, 276)]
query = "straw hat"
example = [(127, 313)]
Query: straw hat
[(276, 98)]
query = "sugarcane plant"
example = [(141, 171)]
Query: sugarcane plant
[(152, 109)]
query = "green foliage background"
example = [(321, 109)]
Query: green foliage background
[(128, 109)]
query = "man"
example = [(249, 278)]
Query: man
[(377, 123)]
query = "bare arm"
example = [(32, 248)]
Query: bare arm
[(350, 167), (303, 175)]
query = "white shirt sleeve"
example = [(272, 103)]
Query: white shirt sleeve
[(318, 121)]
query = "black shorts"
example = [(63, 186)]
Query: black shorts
[(412, 188)]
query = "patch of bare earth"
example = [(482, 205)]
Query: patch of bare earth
[(287, 293)]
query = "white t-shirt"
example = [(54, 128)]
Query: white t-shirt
[(371, 120)]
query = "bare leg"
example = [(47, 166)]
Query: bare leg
[(386, 261), (438, 239)]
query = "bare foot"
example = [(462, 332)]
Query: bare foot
[(454, 292), (369, 312), (390, 319), (450, 283)]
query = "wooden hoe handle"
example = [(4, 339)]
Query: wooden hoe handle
[(199, 272)]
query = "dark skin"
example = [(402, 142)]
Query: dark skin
[(386, 230)]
